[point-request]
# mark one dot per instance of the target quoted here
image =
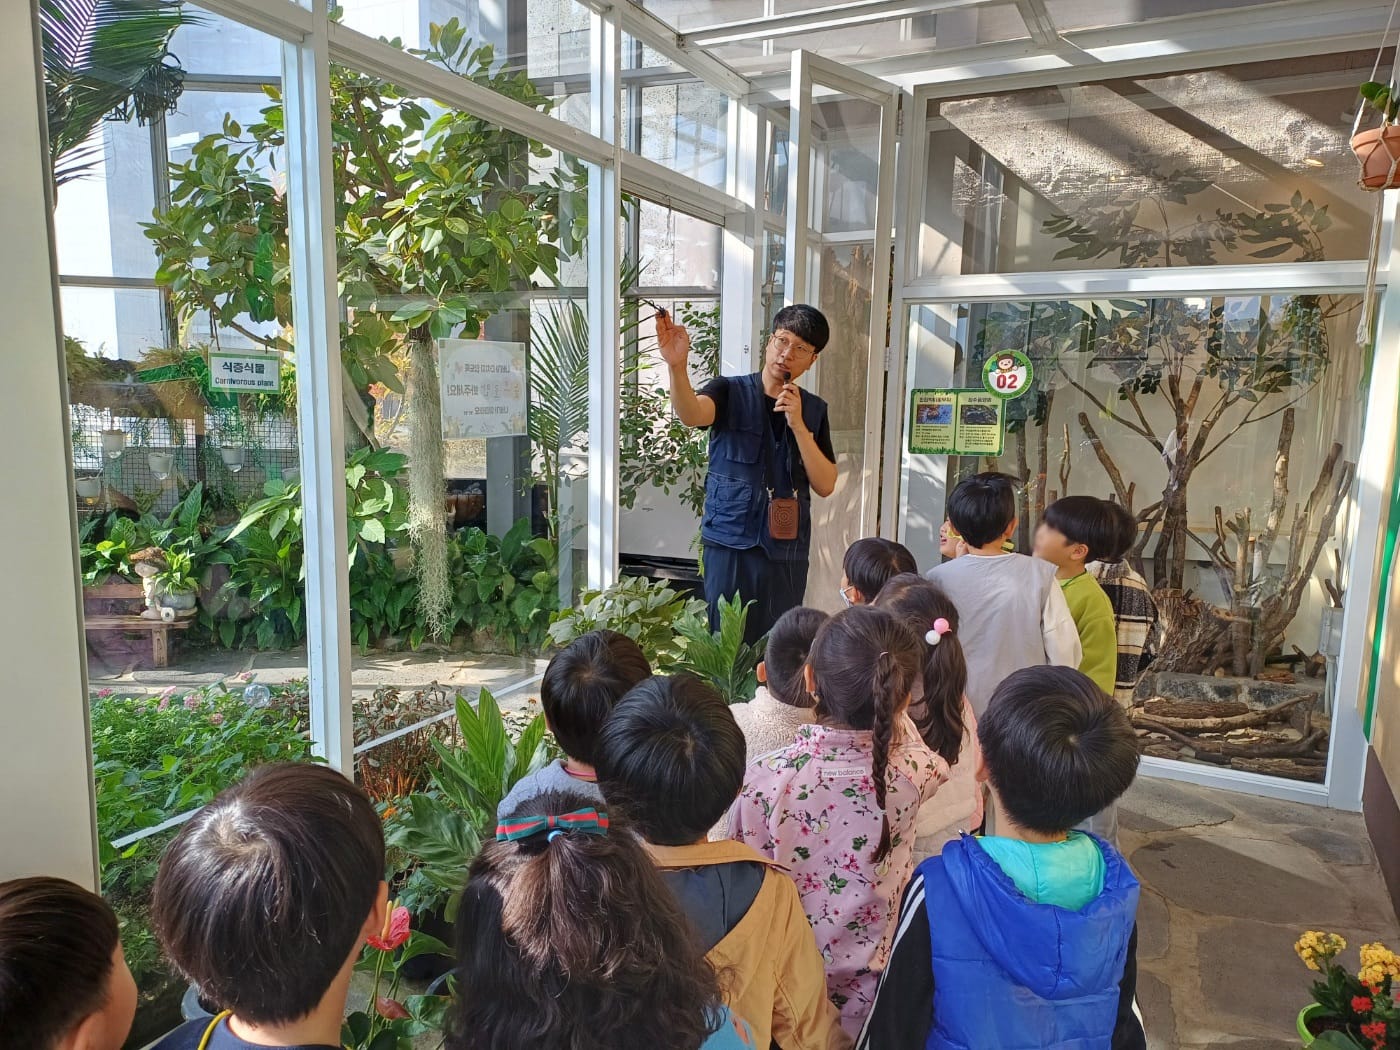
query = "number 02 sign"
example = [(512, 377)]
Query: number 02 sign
[(1008, 374)]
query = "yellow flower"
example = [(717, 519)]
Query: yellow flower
[(1377, 963), (1318, 949)]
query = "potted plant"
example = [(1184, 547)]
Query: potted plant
[(161, 464), (1378, 149), (175, 585), (89, 487), (113, 443), (1357, 1011)]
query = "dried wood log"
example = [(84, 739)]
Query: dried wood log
[(1245, 721), (1293, 768), (1164, 707), (1307, 747)]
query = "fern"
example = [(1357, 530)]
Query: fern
[(722, 657)]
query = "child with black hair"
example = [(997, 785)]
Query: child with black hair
[(868, 563), (1013, 614), (568, 938), (671, 758), (64, 983), (940, 710), (770, 720), (264, 900), (838, 806), (1134, 611), (1074, 531), (1025, 939), (581, 684)]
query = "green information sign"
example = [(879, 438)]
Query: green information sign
[(956, 423), (1008, 374)]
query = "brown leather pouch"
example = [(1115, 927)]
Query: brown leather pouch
[(782, 517)]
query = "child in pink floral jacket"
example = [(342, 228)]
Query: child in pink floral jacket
[(838, 806)]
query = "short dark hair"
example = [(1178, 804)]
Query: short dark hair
[(1127, 533), (672, 758), (582, 683), (871, 562), (789, 644), (1057, 749), (1087, 520), (575, 940), (263, 894), (983, 506), (57, 941), (806, 322)]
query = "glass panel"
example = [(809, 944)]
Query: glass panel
[(466, 400), (1229, 427), (873, 41), (1239, 165), (682, 124), (686, 16), (840, 282), (172, 447), (676, 250), (545, 40), (1069, 15)]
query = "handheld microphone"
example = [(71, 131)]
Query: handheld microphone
[(787, 378)]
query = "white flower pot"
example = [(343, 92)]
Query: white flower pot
[(113, 443), (233, 457), (88, 488), (161, 464)]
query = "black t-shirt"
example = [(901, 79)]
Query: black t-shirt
[(717, 390), (189, 1034)]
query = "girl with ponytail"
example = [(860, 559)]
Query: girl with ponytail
[(568, 938), (837, 807), (940, 709)]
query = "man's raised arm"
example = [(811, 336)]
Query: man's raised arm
[(692, 409)]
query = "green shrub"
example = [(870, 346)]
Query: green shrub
[(647, 611)]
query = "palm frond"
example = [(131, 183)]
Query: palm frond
[(559, 375), (106, 58)]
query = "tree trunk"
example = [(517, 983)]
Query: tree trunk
[(427, 526)]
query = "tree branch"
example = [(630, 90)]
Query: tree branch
[(1108, 411)]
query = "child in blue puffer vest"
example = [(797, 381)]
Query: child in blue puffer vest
[(1027, 939)]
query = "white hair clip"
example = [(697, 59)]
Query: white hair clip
[(940, 628)]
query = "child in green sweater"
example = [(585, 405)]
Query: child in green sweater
[(1075, 530)]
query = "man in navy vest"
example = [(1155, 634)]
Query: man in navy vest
[(768, 440)]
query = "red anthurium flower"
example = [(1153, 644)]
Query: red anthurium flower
[(1361, 1004), (391, 1009), (395, 930)]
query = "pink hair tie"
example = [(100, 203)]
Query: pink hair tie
[(940, 628)]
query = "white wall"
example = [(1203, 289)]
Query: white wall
[(46, 822)]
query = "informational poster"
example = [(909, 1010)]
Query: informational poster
[(1008, 374), (483, 388), (244, 371), (956, 423)]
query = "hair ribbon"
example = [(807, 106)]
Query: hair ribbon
[(940, 628), (587, 821)]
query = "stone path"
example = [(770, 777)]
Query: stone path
[(1229, 882)]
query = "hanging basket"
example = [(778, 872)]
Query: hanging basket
[(1378, 152)]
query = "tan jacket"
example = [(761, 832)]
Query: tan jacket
[(769, 963)]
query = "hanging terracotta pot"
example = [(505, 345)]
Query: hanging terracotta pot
[(1378, 152)]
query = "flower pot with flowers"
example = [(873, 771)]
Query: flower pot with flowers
[(389, 1022), (1356, 1011)]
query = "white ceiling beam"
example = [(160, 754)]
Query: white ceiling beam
[(280, 18), (1038, 22), (838, 16)]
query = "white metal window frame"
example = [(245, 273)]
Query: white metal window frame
[(1347, 757)]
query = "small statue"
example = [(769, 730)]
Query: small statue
[(148, 563)]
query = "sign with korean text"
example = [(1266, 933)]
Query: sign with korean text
[(484, 392), (956, 423), (244, 372)]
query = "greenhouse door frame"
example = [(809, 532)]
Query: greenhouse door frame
[(1375, 458)]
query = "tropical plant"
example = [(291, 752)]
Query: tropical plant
[(722, 657), (105, 60), (388, 1023), (437, 220), (657, 448), (647, 611), (433, 836), (1383, 98), (178, 575)]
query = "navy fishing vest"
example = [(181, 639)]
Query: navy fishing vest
[(745, 461)]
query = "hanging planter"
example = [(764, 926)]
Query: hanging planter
[(89, 487), (1377, 150), (234, 457), (113, 443), (161, 464)]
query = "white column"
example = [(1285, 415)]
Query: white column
[(743, 232), (320, 397), (604, 298), (47, 823)]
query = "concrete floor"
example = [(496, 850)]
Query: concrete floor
[(1229, 882)]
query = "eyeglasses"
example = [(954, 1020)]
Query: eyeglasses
[(791, 347), (846, 597)]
